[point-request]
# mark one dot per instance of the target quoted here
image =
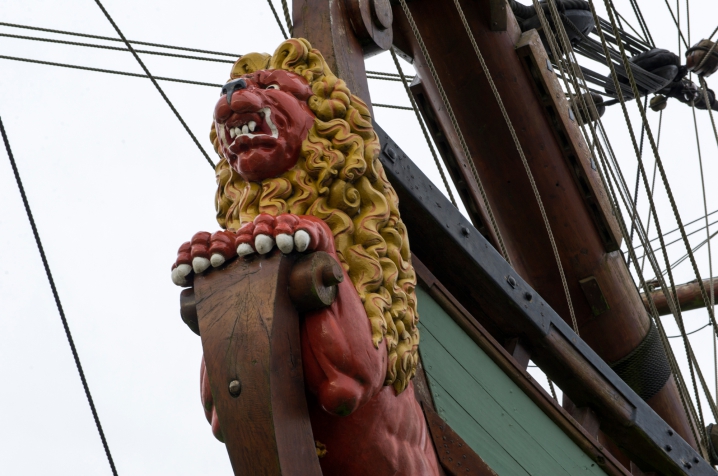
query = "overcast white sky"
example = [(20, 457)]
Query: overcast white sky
[(116, 185)]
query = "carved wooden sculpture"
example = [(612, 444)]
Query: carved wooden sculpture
[(299, 168)]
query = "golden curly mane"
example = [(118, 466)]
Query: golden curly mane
[(339, 179)]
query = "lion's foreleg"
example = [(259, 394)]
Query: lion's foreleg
[(341, 365)]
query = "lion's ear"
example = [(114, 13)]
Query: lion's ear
[(250, 63)]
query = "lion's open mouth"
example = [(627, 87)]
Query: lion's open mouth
[(243, 127)]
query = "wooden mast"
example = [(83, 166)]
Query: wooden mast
[(610, 313)]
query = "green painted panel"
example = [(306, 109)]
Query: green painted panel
[(483, 405)]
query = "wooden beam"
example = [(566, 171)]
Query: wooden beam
[(250, 337), (689, 296), (325, 24), (576, 205)]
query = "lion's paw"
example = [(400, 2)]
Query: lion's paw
[(201, 252), (289, 232)]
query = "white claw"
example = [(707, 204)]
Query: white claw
[(301, 240), (217, 260), (285, 243), (179, 274), (245, 249), (200, 265), (263, 244)]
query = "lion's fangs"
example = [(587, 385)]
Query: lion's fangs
[(247, 129)]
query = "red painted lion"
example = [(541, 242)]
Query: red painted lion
[(299, 168)]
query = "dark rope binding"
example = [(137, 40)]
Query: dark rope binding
[(646, 369)]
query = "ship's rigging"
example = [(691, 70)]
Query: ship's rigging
[(695, 389)]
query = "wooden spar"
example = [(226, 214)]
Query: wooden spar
[(689, 296), (250, 336), (345, 32), (610, 314)]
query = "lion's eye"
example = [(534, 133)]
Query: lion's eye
[(272, 86)]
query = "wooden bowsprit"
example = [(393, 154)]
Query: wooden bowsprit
[(249, 323)]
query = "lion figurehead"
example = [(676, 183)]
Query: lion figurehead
[(335, 175)]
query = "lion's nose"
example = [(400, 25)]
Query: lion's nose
[(233, 86)]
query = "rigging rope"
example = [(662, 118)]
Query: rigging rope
[(635, 193), (653, 187), (525, 163), (389, 106), (677, 239), (678, 27), (56, 295), (457, 129), (686, 224), (689, 333), (159, 78), (553, 390), (395, 75), (415, 108), (288, 18), (107, 38), (154, 81), (574, 72), (693, 250), (705, 206), (109, 71), (276, 17), (677, 314), (114, 48), (642, 22)]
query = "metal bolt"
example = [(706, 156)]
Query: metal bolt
[(528, 296), (235, 388), (696, 460), (511, 281), (669, 447), (670, 432), (687, 465), (391, 153), (465, 231)]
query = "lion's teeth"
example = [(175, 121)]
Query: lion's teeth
[(245, 129), (237, 131), (232, 134), (252, 125)]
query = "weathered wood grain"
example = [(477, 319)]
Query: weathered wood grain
[(250, 334)]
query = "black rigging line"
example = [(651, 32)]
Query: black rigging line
[(370, 74), (159, 78), (107, 38), (276, 17), (689, 333), (642, 21), (154, 81), (114, 48), (57, 298), (110, 71), (677, 239), (390, 106)]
